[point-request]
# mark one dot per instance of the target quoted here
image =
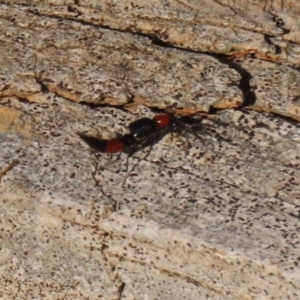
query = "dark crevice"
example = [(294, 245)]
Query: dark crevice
[(73, 18), (72, 9), (244, 85), (93, 105), (121, 290), (168, 110), (243, 110), (45, 89), (101, 103), (158, 110), (43, 86), (155, 39), (24, 100), (267, 39), (286, 31), (158, 42), (213, 110), (130, 99)]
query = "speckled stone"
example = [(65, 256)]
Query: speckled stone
[(216, 217)]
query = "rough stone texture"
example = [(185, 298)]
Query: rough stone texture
[(217, 219)]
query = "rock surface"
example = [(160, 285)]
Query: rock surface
[(216, 217)]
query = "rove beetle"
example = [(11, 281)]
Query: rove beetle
[(144, 132)]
